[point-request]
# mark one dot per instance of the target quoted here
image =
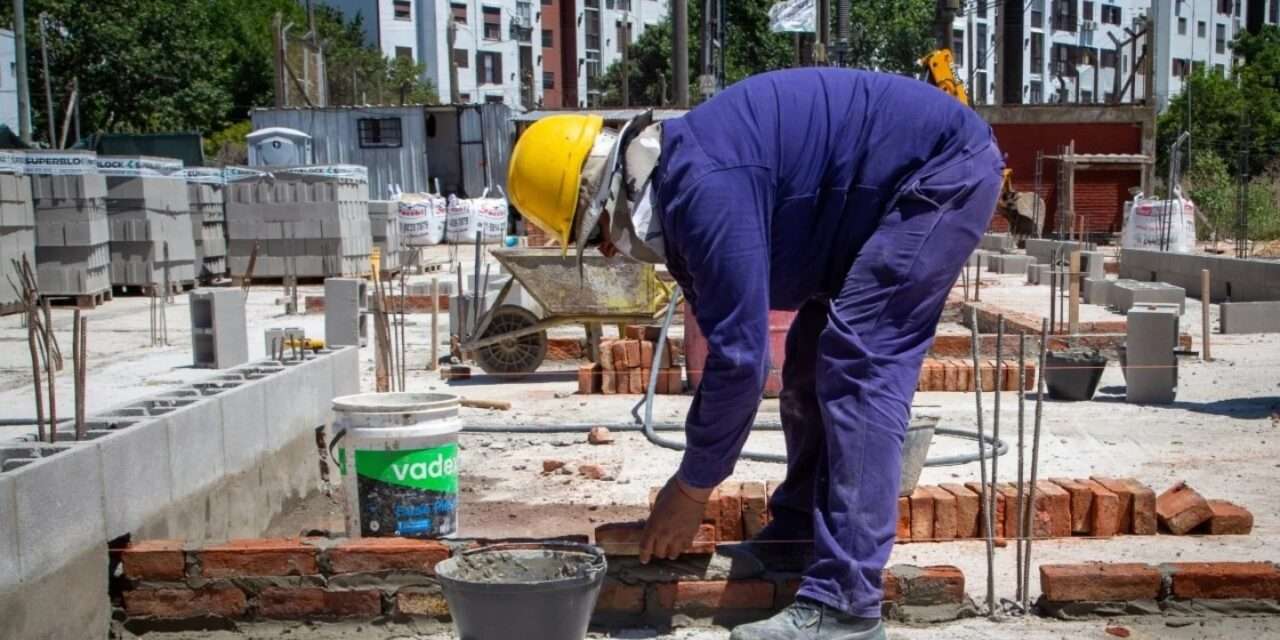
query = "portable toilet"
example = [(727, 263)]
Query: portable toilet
[(279, 147)]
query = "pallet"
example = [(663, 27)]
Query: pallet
[(148, 290), (11, 308), (302, 281), (81, 301)]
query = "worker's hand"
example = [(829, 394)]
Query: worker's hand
[(674, 522)]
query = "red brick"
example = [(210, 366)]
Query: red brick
[(1008, 493), (755, 509), (617, 597), (179, 603), (646, 354), (988, 375), (637, 381), (714, 595), (891, 586), (606, 354), (730, 525), (675, 380), (631, 352), (1099, 582), (426, 603), (622, 382), (1144, 509), (589, 378), (1030, 383), (661, 382), (1104, 512), (950, 375), (1124, 492), (552, 465), (313, 602), (904, 519), (1081, 503), (365, 555), (1053, 508), (608, 382), (967, 510), (592, 471), (1001, 510), (1212, 580), (634, 332), (1182, 509), (259, 557), (937, 375), (623, 539), (619, 353), (600, 435), (154, 560), (929, 586), (944, 514), (921, 514), (1228, 519), (564, 349)]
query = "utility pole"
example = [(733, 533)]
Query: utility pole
[(626, 62), (945, 16), (680, 53), (20, 55), (842, 32), (451, 35), (277, 38), (823, 32), (998, 7), (51, 124)]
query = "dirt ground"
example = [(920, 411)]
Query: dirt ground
[(1222, 436)]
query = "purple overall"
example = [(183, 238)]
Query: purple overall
[(855, 198)]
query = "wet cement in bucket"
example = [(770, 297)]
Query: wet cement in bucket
[(521, 566)]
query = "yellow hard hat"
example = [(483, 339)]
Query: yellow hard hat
[(546, 170)]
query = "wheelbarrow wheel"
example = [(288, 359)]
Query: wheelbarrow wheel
[(516, 357)]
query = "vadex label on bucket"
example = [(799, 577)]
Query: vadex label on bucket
[(410, 492)]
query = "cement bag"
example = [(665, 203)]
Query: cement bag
[(1147, 225), (468, 216), (793, 16), (422, 219)]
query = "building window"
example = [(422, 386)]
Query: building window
[(1086, 96), (1088, 11), (492, 23), (1064, 15), (1179, 68), (493, 99), (1220, 70), (1202, 29), (1037, 92), (620, 5), (1111, 15), (548, 38), (1221, 45), (593, 66), (1275, 12), (1182, 26), (461, 59), (1037, 52), (379, 132), (980, 46), (488, 67), (957, 37), (1225, 6), (1108, 59), (982, 9), (402, 9), (459, 12), (1037, 17), (547, 3), (592, 19), (405, 52), (980, 84), (548, 80), (1108, 97)]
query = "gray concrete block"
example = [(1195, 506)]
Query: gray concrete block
[(285, 334), (997, 242), (244, 425), (136, 475), (1127, 293), (10, 569), (345, 321), (1232, 279), (1250, 317), (219, 337), (1043, 249), (60, 509), (1006, 264), (1096, 291), (1093, 264), (346, 371), (1151, 367), (196, 456)]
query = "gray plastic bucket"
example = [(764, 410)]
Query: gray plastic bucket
[(536, 591), (915, 451)]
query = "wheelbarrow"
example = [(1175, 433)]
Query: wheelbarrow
[(511, 340)]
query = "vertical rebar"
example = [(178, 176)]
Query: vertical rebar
[(435, 323), (402, 345), (982, 467), (1035, 462), (995, 459), (1022, 397), (977, 280), (77, 362), (475, 291), (1204, 315), (50, 370), (32, 321)]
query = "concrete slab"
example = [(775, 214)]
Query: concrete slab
[(1250, 317)]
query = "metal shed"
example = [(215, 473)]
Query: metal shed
[(469, 146), (390, 141)]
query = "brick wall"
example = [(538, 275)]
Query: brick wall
[(1096, 587)]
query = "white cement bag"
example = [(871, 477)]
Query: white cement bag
[(485, 215), (422, 219), (793, 16), (1146, 224)]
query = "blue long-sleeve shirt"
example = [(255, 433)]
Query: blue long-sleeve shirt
[(766, 193)]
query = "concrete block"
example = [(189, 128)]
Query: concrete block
[(1151, 367), (346, 371), (1043, 250), (60, 509), (345, 320), (979, 255), (1250, 317), (244, 425), (285, 334), (1127, 293), (10, 569), (1096, 290), (997, 242), (219, 334), (1093, 264), (196, 456), (1010, 263)]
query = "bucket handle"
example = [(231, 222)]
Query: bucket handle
[(598, 557), (337, 437)]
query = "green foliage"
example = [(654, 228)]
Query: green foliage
[(891, 35), (227, 146), (1209, 185)]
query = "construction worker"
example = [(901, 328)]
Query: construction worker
[(850, 196)]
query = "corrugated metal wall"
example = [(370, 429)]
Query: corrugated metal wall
[(470, 146), (336, 140)]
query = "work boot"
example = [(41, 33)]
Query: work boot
[(807, 620)]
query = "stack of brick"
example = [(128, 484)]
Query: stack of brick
[(150, 218), (626, 365), (1097, 507), (205, 188), (956, 374)]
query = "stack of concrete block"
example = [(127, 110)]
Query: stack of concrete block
[(384, 224), (17, 231), (1231, 279), (208, 221), (150, 222), (1151, 367), (309, 222), (73, 254)]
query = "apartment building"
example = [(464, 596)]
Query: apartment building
[(389, 25)]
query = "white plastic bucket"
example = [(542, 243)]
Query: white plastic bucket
[(399, 463)]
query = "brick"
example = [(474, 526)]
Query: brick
[(589, 378), (366, 555), (592, 471), (714, 595), (755, 509), (1053, 508), (646, 354), (1001, 509), (617, 597), (313, 602), (181, 604), (1144, 509), (988, 368), (1030, 383), (599, 436), (965, 374), (622, 382), (891, 586), (1228, 519), (549, 466), (967, 510), (633, 332), (904, 519), (1009, 495), (937, 375), (631, 353), (929, 586), (1214, 580), (944, 514), (606, 354), (675, 380), (1104, 510), (425, 603), (1099, 582), (608, 382), (921, 514), (154, 560), (1081, 503), (619, 359), (1182, 509), (1124, 492), (730, 525), (623, 539), (637, 381), (661, 382), (259, 557)]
